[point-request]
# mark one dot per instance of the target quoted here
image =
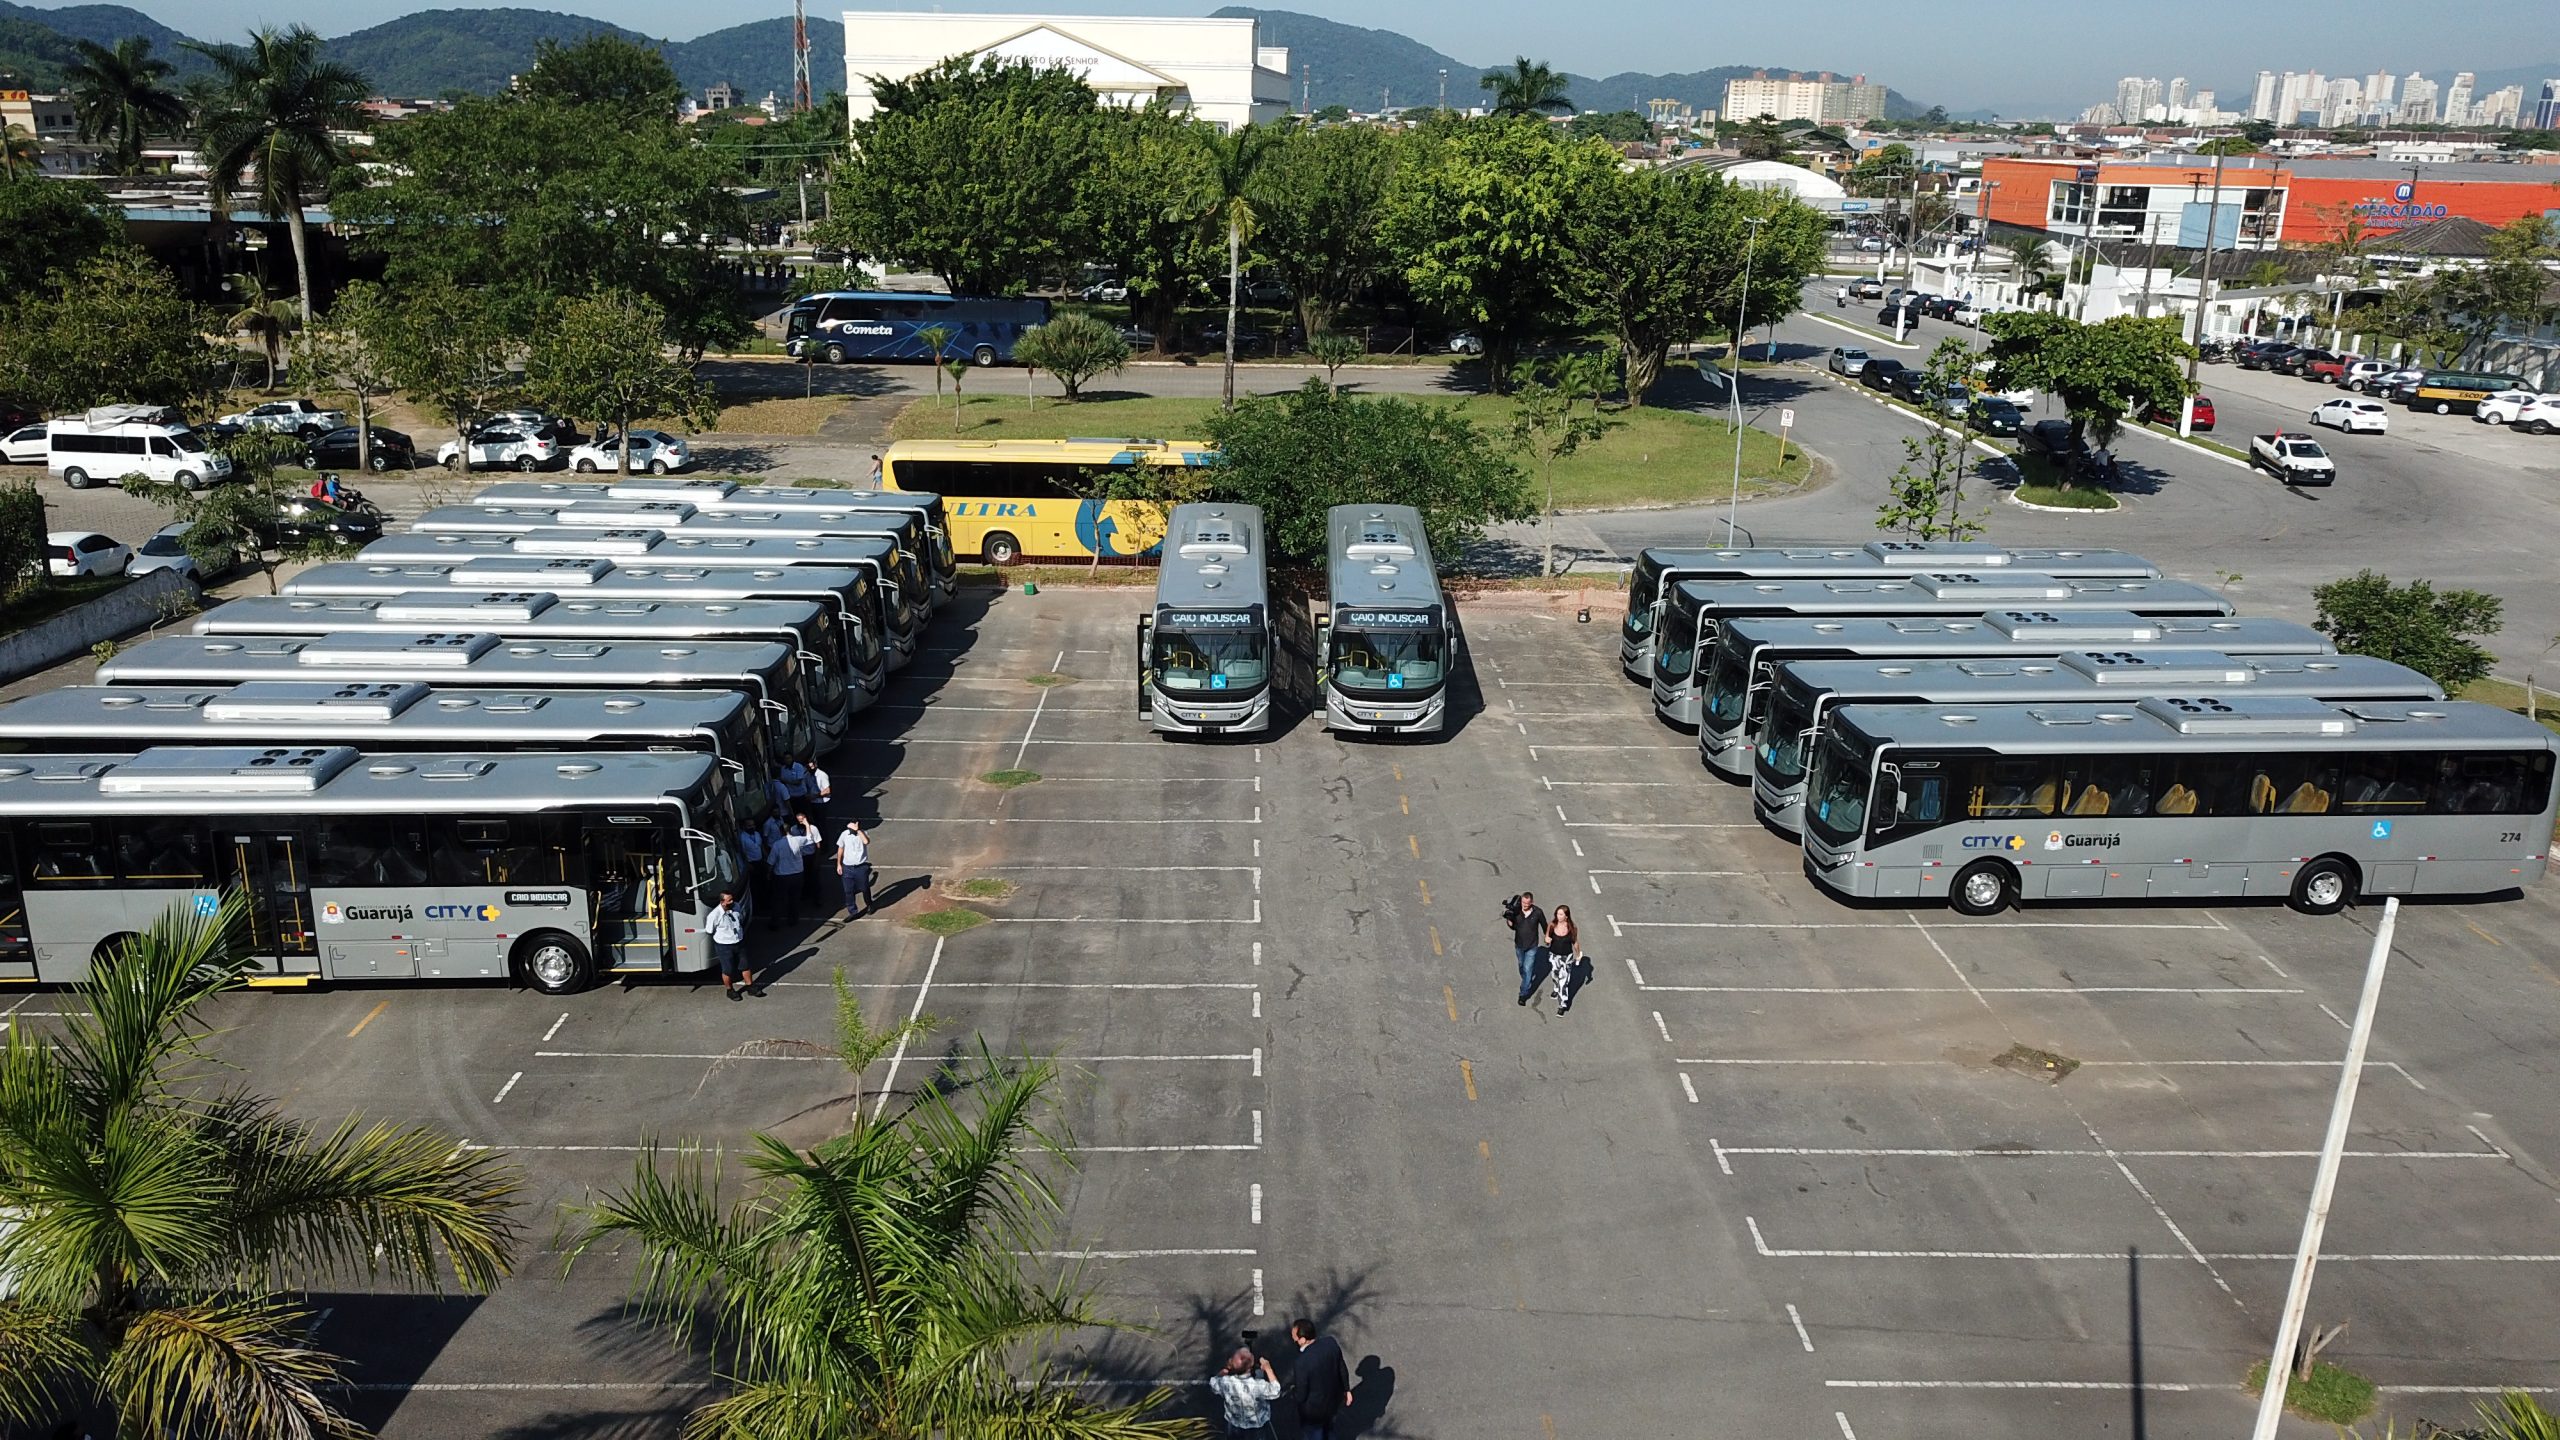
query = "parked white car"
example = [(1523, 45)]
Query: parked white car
[(84, 554), (2540, 417), (304, 418), (165, 550), (2361, 374), (2352, 413), (502, 447), (2501, 408), (25, 445), (655, 451)]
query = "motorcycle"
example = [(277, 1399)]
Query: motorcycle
[(2213, 352), (348, 498)]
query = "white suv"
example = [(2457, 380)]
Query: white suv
[(2502, 408), (2539, 416), (303, 419), (502, 447)]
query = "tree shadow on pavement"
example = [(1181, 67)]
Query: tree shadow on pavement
[(736, 380)]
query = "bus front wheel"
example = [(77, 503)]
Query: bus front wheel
[(1000, 548), (553, 963), (2324, 886), (983, 356), (111, 949), (1985, 887)]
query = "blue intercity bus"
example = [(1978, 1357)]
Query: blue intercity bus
[(843, 325)]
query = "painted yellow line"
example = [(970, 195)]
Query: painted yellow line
[(1435, 949), (368, 1019), (2485, 935), (1491, 1185), (1549, 1421), (1451, 997), (1426, 890), (280, 982), (1397, 771), (1414, 843), (1404, 804), (1467, 1073)]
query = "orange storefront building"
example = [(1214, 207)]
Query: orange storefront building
[(2264, 203)]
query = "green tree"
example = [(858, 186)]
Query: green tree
[(448, 349), (111, 329), (2030, 262), (121, 97), (880, 1282), (352, 350), (604, 357), (2505, 291), (2102, 372), (1479, 221), (1658, 257), (1621, 127), (1528, 88), (1298, 454), (1320, 196), (20, 155), (567, 200), (1333, 350), (2258, 132), (236, 524), (1142, 201), (1074, 348), (1761, 139), (1925, 499), (1548, 424), (165, 1225), (1887, 170), (264, 317), (969, 170), (2229, 145), (50, 225), (1226, 201), (936, 339), (2415, 625), (606, 70), (272, 130), (1333, 115)]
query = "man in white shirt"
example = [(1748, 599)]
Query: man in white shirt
[(727, 927), (853, 867)]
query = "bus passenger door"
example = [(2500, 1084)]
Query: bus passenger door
[(1146, 674), (629, 867), (17, 947), (272, 871)]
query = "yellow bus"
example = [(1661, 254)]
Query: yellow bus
[(1003, 500)]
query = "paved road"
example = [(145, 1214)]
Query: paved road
[(1764, 1179)]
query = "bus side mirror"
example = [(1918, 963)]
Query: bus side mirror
[(1888, 806), (1146, 672)]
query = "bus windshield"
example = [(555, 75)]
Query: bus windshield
[(1671, 657), (744, 740), (1835, 796), (1207, 659), (1382, 660), (1726, 691), (1643, 585), (715, 852), (1782, 743)]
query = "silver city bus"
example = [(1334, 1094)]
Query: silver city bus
[(713, 497), (1388, 636), (912, 568), (551, 869), (376, 716), (903, 610), (1740, 670), (764, 671), (541, 615), (1205, 651), (1806, 691), (1656, 570), (850, 614), (2195, 798), (1695, 616)]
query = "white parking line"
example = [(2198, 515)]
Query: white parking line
[(913, 1014), (1973, 989), (1254, 919), (510, 1085), (2085, 1064), (1912, 925), (2040, 1152), (1055, 820), (2118, 1257), (1798, 1320), (1845, 1432), (2166, 1387), (1133, 1254)]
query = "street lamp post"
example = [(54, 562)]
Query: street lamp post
[(1733, 386), (2204, 270)]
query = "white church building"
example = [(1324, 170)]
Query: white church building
[(1217, 70)]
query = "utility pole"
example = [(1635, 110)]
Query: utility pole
[(2204, 271), (2324, 1182), (1733, 385), (1306, 89), (1444, 89)]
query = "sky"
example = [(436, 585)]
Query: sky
[(2017, 57)]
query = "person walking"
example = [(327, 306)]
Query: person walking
[(787, 861), (1564, 954), (853, 868), (1244, 1398), (1319, 1383), (875, 472), (807, 839), (727, 928), (1528, 938)]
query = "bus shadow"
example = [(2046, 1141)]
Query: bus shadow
[(388, 1341)]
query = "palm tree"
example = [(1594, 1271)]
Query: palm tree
[(272, 126), (266, 318), (2027, 260), (1226, 203), (19, 154), (1527, 88), (879, 1282), (119, 98), (161, 1225)]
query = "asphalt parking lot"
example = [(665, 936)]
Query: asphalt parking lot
[(1769, 1176)]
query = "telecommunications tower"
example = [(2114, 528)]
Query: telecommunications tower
[(800, 54)]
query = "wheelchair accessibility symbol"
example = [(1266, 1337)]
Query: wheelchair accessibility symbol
[(2381, 829)]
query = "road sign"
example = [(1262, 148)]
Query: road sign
[(1853, 207), (1787, 418)]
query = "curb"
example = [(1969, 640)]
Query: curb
[(2121, 506), (1877, 337)]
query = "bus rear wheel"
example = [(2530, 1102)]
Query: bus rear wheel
[(553, 963), (111, 948), (2324, 886), (1985, 887), (983, 356), (1000, 548)]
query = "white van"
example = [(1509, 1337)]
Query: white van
[(113, 441)]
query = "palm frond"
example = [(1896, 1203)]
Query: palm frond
[(44, 1358), (695, 1250), (365, 1200), (236, 1368), (137, 1204), (2516, 1415), (141, 1023)]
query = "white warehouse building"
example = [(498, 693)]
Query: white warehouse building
[(1217, 70)]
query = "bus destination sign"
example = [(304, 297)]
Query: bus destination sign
[(1385, 619)]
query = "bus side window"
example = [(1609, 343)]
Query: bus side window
[(163, 853), (370, 852), (65, 855)]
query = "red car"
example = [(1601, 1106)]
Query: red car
[(2169, 416), (2327, 367)]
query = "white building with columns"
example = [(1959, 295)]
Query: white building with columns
[(1217, 70)]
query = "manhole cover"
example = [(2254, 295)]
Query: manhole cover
[(2042, 1064)]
